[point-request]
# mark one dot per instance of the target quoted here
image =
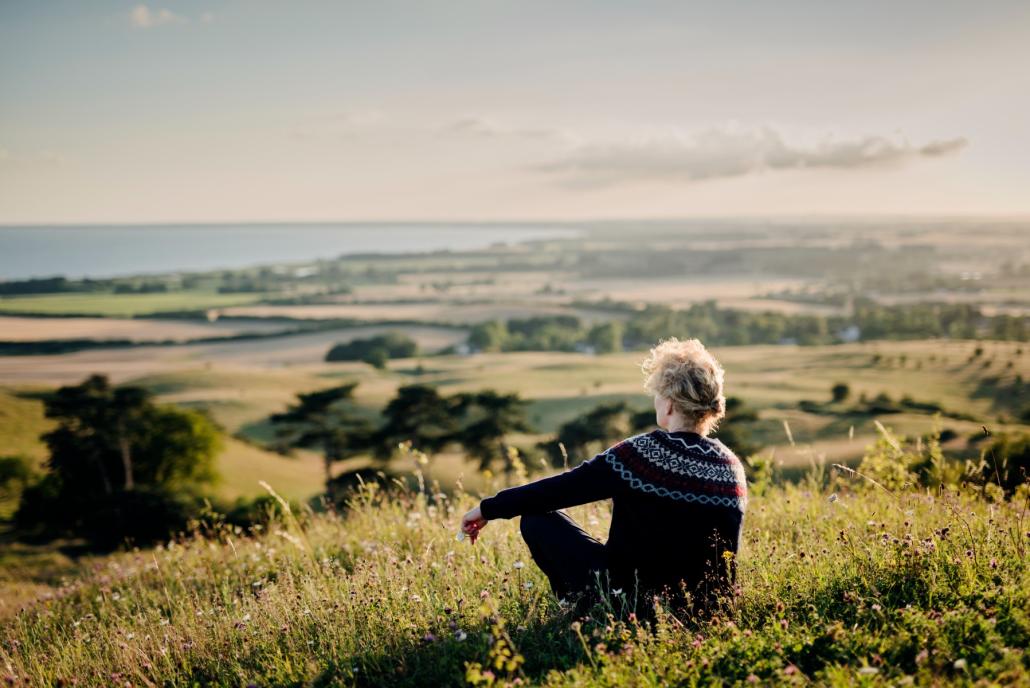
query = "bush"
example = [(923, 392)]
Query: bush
[(374, 350), (840, 392)]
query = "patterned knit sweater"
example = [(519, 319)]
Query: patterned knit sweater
[(678, 506)]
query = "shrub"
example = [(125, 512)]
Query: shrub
[(375, 350)]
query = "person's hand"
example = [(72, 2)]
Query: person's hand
[(472, 523)]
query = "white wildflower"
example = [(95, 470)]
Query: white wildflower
[(519, 564), (460, 635), (960, 664)]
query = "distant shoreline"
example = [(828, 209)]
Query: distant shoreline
[(107, 251)]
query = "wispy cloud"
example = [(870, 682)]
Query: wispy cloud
[(724, 152), (142, 17), (481, 126)]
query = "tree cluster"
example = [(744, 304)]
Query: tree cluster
[(721, 326), (120, 467), (546, 333), (376, 350), (330, 420)]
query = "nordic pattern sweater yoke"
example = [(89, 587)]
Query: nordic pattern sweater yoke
[(678, 504)]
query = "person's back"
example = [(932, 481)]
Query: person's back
[(677, 514)]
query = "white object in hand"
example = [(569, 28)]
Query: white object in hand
[(460, 536)]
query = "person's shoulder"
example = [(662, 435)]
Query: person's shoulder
[(633, 442)]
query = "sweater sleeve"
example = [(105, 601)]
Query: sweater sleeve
[(591, 481)]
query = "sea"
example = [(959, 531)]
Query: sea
[(112, 251)]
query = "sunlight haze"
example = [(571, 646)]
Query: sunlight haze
[(180, 111)]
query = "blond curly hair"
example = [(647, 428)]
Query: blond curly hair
[(687, 374)]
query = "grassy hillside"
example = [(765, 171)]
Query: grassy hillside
[(866, 589), (21, 423)]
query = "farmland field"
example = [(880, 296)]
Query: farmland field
[(121, 305), (16, 329)]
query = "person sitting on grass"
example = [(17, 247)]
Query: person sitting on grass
[(678, 500)]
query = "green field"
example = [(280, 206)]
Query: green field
[(122, 305)]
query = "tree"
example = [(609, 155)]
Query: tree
[(489, 336), (606, 337), (488, 417), (104, 433), (418, 413), (840, 392), (326, 419), (596, 429), (108, 444)]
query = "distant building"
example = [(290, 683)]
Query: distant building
[(851, 333)]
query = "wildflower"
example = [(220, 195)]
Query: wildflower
[(519, 564), (960, 664), (751, 678), (428, 638), (868, 670), (833, 498), (617, 591), (460, 635), (527, 585), (790, 670), (922, 657), (416, 598)]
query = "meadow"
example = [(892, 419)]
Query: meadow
[(839, 583), (842, 581)]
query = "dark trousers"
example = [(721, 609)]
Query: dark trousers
[(578, 569), (566, 553)]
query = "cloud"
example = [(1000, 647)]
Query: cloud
[(480, 126), (142, 17), (723, 153)]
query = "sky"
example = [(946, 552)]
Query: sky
[(247, 110)]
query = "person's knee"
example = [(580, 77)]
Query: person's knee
[(533, 526)]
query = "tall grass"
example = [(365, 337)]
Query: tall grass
[(861, 586)]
